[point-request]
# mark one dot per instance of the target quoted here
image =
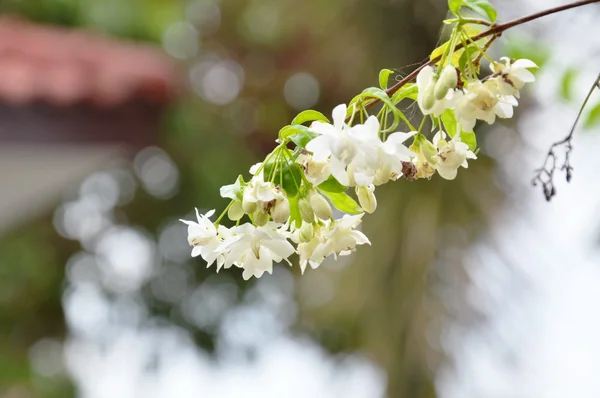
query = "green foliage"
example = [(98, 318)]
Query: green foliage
[(309, 116), (343, 202), (283, 170), (375, 92), (593, 117), (452, 126), (384, 76), (332, 185), (566, 84), (298, 134), (481, 7)]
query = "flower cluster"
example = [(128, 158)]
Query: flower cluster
[(288, 203)]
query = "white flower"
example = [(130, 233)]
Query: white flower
[(451, 155), (482, 101), (426, 81), (340, 238), (352, 151), (255, 248), (511, 76), (391, 154), (262, 197), (205, 238), (315, 172)]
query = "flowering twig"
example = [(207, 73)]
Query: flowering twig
[(545, 174), (497, 30)]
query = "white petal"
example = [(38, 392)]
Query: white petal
[(504, 110), (338, 170), (424, 77), (339, 116), (280, 247), (524, 75), (196, 251), (447, 173), (524, 63), (319, 146)]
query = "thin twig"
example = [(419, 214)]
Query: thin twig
[(545, 174), (494, 30)]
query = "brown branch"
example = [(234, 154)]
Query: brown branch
[(545, 174), (494, 30)]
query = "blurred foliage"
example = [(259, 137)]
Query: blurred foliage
[(386, 301)]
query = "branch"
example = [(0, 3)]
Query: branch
[(545, 174), (494, 30)]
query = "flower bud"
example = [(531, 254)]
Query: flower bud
[(429, 97), (307, 232), (260, 218), (306, 211), (449, 76), (281, 211), (448, 80), (320, 206), (235, 211), (366, 198)]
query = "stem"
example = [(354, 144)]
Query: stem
[(494, 30)]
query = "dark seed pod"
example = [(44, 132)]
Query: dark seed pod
[(569, 174)]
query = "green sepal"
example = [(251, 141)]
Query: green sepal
[(234, 191)]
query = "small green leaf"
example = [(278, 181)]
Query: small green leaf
[(593, 117), (233, 191), (450, 123), (343, 202), (454, 6), (384, 76), (469, 138), (408, 91), (284, 172), (332, 185), (566, 84), (309, 116), (298, 134), (375, 92), (481, 7)]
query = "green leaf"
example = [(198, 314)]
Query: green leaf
[(233, 191), (343, 202), (593, 117), (481, 7), (469, 138), (298, 134), (566, 84), (384, 76), (309, 116), (295, 216), (332, 185), (407, 91), (450, 123), (284, 172), (454, 6)]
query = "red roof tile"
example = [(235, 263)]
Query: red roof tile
[(66, 66)]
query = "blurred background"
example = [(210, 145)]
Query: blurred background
[(118, 117)]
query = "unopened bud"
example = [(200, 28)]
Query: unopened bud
[(429, 97), (307, 232), (320, 206), (235, 211), (281, 211), (366, 198), (260, 218), (449, 77), (306, 210)]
